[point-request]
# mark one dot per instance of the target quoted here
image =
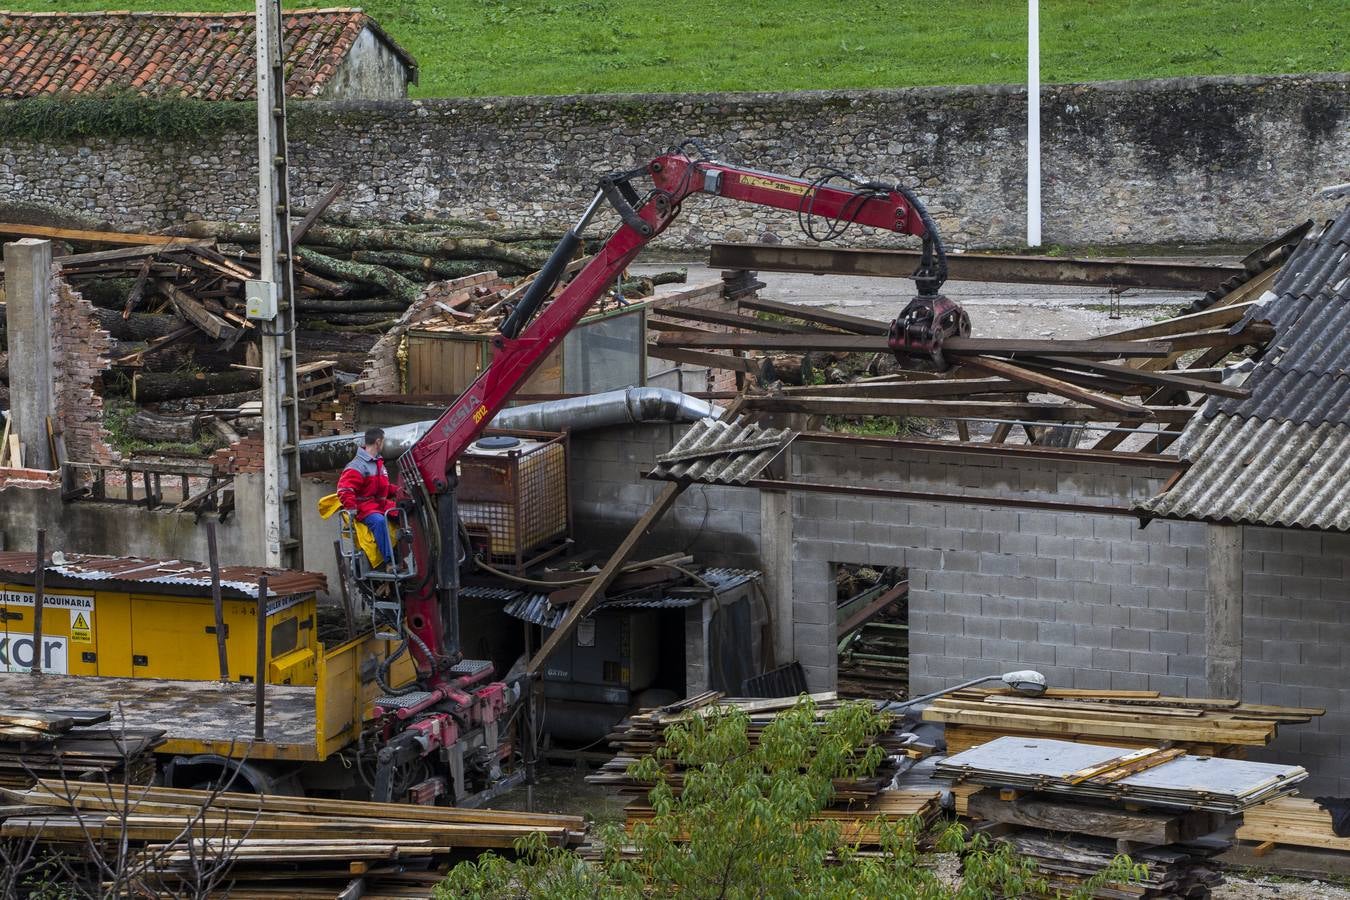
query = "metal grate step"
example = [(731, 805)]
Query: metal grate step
[(402, 701)]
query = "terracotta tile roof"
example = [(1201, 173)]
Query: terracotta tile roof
[(203, 56)]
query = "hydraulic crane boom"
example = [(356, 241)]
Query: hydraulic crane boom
[(427, 603)]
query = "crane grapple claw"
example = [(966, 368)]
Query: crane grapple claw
[(923, 325)]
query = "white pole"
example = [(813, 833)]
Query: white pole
[(1033, 123)]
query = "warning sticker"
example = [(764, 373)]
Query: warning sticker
[(81, 627)]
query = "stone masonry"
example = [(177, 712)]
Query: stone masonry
[(1192, 159)]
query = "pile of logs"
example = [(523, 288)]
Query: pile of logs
[(183, 350)]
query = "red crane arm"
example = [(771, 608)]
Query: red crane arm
[(675, 177), (427, 469)]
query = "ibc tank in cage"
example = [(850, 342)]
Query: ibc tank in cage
[(513, 495)]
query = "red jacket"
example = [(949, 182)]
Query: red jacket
[(364, 485)]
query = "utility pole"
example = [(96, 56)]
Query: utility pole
[(271, 302), (1033, 123)]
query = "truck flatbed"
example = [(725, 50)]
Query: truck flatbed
[(196, 716)]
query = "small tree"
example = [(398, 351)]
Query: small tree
[(741, 825)]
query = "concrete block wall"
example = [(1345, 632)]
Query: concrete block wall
[(1296, 646), (718, 524), (1089, 600)]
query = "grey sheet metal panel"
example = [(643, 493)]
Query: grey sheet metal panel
[(1188, 782)]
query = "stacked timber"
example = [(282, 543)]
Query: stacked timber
[(1292, 822), (859, 823), (1135, 719), (277, 846), (857, 802), (1157, 805), (76, 744), (1066, 864)]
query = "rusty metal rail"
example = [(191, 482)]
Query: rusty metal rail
[(1120, 273)]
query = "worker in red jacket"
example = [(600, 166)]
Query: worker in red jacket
[(364, 489)]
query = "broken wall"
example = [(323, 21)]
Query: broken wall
[(1184, 159)]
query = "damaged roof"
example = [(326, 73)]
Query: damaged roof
[(1281, 456), (139, 573), (199, 56)]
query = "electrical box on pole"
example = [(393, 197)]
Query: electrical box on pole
[(271, 301)]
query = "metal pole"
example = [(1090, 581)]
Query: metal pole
[(1033, 123), (346, 595), (260, 674), (271, 303), (213, 556), (39, 579)]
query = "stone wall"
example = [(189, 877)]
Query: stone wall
[(371, 70), (1202, 159)]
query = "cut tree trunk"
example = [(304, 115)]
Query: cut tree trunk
[(152, 387), (383, 238), (440, 268), (138, 326), (199, 405), (404, 290), (150, 426)]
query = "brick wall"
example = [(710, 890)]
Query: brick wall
[(81, 353), (1088, 600), (718, 524)]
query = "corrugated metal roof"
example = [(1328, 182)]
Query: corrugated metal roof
[(1281, 456), (534, 607), (1262, 472), (716, 451), (140, 571)]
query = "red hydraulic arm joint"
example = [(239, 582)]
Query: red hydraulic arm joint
[(428, 469)]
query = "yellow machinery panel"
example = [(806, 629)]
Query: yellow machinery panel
[(68, 636), (156, 636)]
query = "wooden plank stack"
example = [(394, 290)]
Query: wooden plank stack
[(858, 822), (1067, 863), (276, 844), (857, 802), (1071, 808), (74, 744), (1132, 719), (1293, 822)]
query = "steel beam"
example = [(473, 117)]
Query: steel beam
[(1025, 451), (1171, 276)]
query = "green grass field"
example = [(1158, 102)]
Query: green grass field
[(511, 47)]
